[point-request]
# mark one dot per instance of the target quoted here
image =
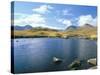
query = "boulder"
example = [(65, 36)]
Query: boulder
[(92, 61), (56, 60), (75, 64)]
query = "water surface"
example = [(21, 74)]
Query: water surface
[(36, 54)]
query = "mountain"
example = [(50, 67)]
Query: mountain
[(80, 27), (27, 27), (43, 29), (87, 26), (86, 30), (72, 28)]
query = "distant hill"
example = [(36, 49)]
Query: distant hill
[(71, 27), (42, 28), (85, 31), (87, 26), (78, 27), (27, 27)]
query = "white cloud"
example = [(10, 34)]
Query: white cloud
[(35, 20), (67, 12), (43, 9), (18, 15), (66, 22), (30, 19), (45, 26), (64, 12), (95, 21), (83, 19), (60, 20)]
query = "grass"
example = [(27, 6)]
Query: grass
[(81, 33)]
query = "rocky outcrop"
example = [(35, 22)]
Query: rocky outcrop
[(74, 65), (57, 60), (92, 61)]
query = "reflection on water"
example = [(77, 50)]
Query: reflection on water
[(36, 54)]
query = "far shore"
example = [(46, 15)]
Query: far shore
[(18, 37)]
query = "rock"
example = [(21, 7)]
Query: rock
[(75, 64), (56, 60), (92, 61)]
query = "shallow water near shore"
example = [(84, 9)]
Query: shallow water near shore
[(36, 54)]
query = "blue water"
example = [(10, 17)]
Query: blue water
[(36, 54)]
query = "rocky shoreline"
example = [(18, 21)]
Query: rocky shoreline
[(92, 61), (76, 64)]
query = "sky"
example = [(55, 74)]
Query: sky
[(56, 16)]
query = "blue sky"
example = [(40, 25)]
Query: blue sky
[(57, 16)]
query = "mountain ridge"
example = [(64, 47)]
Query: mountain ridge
[(26, 27)]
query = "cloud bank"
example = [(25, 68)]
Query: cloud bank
[(83, 19), (43, 9), (38, 18)]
